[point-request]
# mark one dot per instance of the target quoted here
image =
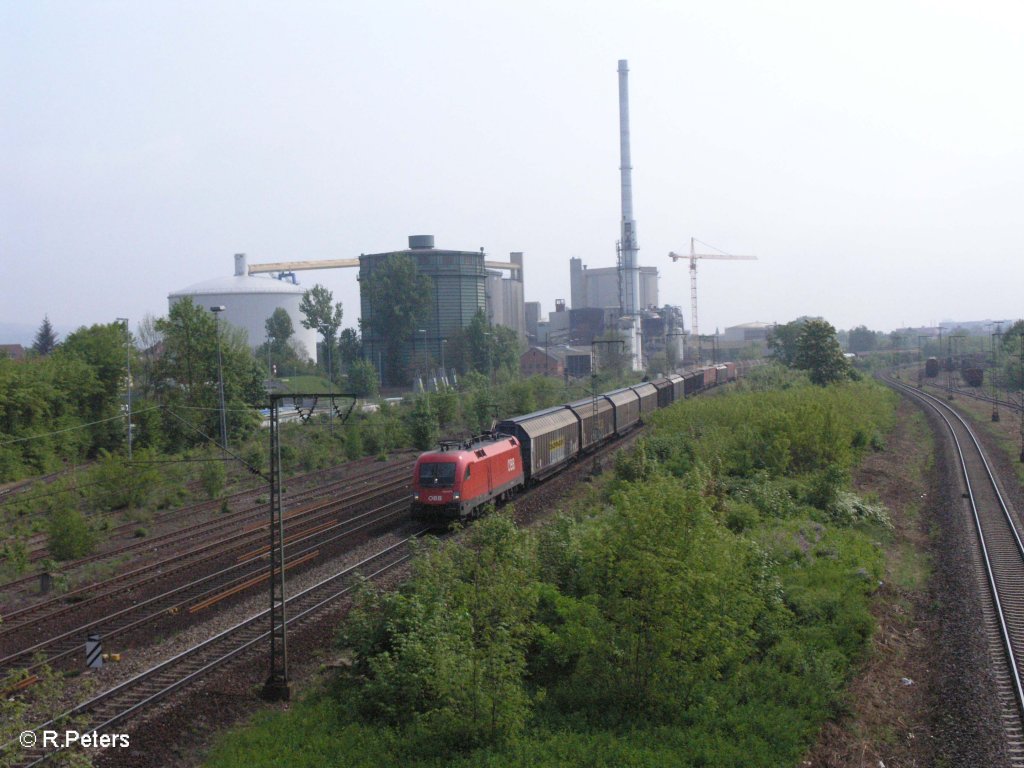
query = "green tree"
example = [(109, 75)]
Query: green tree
[(401, 299), (323, 315), (106, 349), (46, 340), (818, 352), (423, 425), (782, 341), (362, 378), (185, 376), (279, 331), (350, 347), (862, 339), (490, 349)]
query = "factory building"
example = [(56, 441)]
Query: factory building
[(747, 332), (599, 288), (559, 361), (462, 286), (505, 304), (249, 301), (532, 318)]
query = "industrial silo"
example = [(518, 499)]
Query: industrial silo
[(458, 282), (248, 301)]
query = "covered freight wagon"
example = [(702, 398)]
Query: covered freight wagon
[(664, 387), (550, 439), (693, 382), (597, 420), (710, 376), (931, 367), (627, 409), (648, 395), (678, 386)]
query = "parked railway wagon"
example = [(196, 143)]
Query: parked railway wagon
[(597, 421), (627, 409), (974, 376), (455, 482), (550, 439), (648, 395), (931, 367)]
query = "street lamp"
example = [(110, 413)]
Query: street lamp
[(329, 343), (490, 363), (426, 371), (220, 378), (955, 360), (128, 335)]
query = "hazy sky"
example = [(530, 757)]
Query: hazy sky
[(870, 153)]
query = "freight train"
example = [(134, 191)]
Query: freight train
[(456, 481)]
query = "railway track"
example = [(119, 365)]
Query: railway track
[(205, 530), (975, 394), (1001, 566), (57, 635), (111, 707), (101, 713)]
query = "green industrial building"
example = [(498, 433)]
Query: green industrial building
[(459, 292)]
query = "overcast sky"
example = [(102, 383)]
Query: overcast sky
[(871, 154)]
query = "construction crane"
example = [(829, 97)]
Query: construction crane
[(693, 256)]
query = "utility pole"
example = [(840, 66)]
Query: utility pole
[(995, 369), (949, 367), (220, 379), (920, 363), (128, 335), (1022, 398)]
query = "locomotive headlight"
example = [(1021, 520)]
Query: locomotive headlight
[(456, 496), (416, 496)]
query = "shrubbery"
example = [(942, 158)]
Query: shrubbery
[(708, 611)]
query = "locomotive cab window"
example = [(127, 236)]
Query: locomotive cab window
[(437, 474), (468, 468)]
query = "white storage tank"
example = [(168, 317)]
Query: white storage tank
[(248, 301)]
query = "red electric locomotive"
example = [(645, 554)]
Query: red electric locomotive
[(454, 482)]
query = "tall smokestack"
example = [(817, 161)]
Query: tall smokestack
[(628, 242), (629, 296)]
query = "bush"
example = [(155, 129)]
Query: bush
[(213, 476), (69, 534)]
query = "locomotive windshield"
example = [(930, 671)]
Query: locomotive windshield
[(437, 474)]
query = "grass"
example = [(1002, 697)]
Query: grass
[(306, 384)]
